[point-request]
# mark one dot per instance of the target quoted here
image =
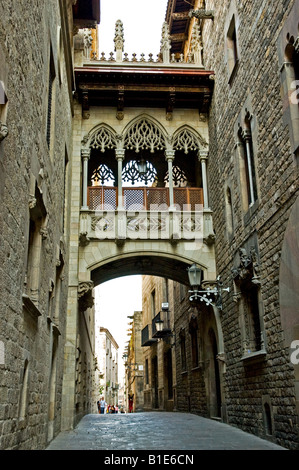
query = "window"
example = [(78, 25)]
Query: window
[(36, 233), (51, 101), (250, 306), (290, 90), (193, 330), (24, 392), (247, 165), (146, 372), (232, 48), (248, 296), (183, 351), (229, 212), (153, 303)]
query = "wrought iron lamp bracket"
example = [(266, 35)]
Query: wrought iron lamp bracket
[(204, 294)]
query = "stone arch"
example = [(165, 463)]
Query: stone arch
[(101, 137), (145, 133), (156, 263), (186, 138)]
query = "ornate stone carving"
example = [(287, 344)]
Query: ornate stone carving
[(202, 14), (44, 233), (119, 36), (32, 202), (83, 239), (102, 174), (165, 43), (103, 139), (87, 42), (3, 131), (196, 44), (144, 135), (248, 268), (186, 140), (85, 297)]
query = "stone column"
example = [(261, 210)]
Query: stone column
[(85, 154), (203, 156), (119, 155), (247, 138), (169, 155)]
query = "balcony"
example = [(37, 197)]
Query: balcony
[(142, 198), (162, 316), (146, 336)]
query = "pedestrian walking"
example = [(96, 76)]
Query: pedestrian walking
[(131, 400), (103, 404)]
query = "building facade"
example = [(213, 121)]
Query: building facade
[(134, 366), (237, 361), (36, 145), (159, 383), (107, 354)]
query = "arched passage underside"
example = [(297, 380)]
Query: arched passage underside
[(174, 269)]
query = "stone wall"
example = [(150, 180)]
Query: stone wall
[(254, 86), (33, 177)]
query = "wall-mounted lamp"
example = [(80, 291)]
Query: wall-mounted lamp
[(195, 275)]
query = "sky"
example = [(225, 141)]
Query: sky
[(142, 22)]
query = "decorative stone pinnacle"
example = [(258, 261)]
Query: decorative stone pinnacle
[(119, 40), (165, 43), (196, 44)]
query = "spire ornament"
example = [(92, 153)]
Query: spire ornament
[(119, 40), (196, 44), (165, 43)]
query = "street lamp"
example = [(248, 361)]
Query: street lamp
[(216, 288)]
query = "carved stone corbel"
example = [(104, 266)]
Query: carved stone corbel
[(32, 202), (85, 297), (3, 131), (202, 14), (83, 239)]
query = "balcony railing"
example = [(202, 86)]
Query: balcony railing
[(142, 198), (161, 316), (146, 336)]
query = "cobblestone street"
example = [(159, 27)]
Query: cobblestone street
[(156, 431)]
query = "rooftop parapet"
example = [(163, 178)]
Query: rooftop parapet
[(163, 58)]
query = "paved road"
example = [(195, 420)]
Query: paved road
[(156, 431)]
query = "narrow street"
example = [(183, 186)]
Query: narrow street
[(156, 431)]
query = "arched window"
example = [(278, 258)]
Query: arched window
[(229, 212), (248, 172)]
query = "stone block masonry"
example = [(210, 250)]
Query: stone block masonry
[(255, 89)]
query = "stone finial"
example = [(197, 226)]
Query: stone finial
[(165, 43), (196, 44), (87, 42), (119, 40)]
